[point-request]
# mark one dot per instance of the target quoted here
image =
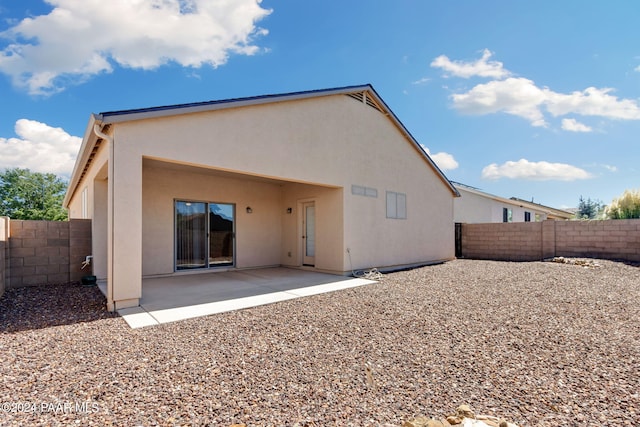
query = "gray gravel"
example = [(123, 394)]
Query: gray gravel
[(539, 344)]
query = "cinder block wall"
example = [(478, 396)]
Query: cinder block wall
[(45, 252), (610, 239), (79, 247), (515, 241), (4, 235)]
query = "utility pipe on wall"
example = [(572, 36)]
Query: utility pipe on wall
[(98, 131)]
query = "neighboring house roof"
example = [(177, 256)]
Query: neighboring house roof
[(551, 212), (366, 93), (474, 190)]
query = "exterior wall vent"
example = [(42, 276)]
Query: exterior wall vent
[(365, 99)]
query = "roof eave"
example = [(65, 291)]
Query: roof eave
[(496, 198), (88, 142), (547, 209), (172, 110)]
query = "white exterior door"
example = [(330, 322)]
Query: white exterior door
[(309, 233)]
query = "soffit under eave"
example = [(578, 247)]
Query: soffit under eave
[(87, 154)]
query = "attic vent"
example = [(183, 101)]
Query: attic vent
[(365, 98)]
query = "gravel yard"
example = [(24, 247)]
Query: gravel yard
[(539, 344)]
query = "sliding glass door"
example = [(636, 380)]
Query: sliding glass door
[(220, 234), (191, 235), (204, 234)]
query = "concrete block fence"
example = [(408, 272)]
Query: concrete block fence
[(45, 252), (613, 239), (4, 234), (42, 252), (530, 241)]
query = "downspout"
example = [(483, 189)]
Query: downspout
[(100, 134), (98, 131)]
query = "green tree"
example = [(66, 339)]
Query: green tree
[(31, 195), (589, 209), (626, 206)]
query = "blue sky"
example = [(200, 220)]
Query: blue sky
[(534, 100)]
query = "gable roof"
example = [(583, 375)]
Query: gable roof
[(365, 93)]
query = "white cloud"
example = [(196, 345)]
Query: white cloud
[(421, 81), (592, 102), (482, 67), (523, 98), (515, 95), (610, 168), (534, 171), (79, 39), (572, 125), (445, 161), (40, 148)]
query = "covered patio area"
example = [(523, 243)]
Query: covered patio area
[(179, 297)]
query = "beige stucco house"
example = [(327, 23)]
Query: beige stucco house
[(328, 180), (475, 206)]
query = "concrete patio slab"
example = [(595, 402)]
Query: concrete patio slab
[(137, 317), (179, 297)]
